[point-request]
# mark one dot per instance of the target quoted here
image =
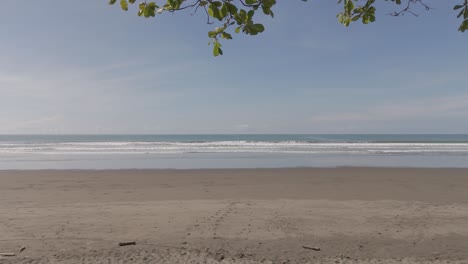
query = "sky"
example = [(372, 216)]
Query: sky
[(90, 68)]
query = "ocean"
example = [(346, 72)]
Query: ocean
[(230, 151)]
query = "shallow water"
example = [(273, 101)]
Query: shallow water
[(230, 151)]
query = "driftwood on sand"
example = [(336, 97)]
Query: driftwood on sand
[(312, 248), (127, 243), (21, 250)]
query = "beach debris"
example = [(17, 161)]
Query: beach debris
[(21, 250), (127, 243), (7, 254), (311, 248), (219, 256)]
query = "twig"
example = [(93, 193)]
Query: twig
[(407, 9), (129, 243), (21, 250), (312, 248)]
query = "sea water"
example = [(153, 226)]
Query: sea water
[(230, 151)]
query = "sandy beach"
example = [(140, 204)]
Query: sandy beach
[(303, 215)]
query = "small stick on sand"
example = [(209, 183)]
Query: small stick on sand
[(129, 243), (21, 250), (312, 248), (7, 254)]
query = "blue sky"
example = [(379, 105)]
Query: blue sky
[(89, 67)]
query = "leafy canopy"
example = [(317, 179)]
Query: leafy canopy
[(239, 14)]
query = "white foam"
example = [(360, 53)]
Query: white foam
[(88, 148)]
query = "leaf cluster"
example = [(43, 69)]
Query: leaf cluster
[(364, 10), (239, 14), (463, 13)]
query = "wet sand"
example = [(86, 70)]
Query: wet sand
[(353, 215)]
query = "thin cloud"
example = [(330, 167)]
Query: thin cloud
[(455, 106), (6, 78), (42, 123)]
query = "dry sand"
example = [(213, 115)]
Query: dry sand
[(354, 215)]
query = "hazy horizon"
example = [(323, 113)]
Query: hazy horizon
[(169, 134)]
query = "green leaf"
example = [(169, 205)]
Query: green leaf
[(131, 1), (210, 12), (457, 7), (258, 27), (124, 5), (174, 4), (224, 10), (226, 35), (349, 6), (242, 15), (111, 2), (213, 11), (149, 9), (253, 29), (463, 26), (212, 34), (232, 8), (365, 19), (141, 10), (217, 49), (266, 10)]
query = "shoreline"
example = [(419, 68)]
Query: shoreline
[(245, 168), (353, 214)]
